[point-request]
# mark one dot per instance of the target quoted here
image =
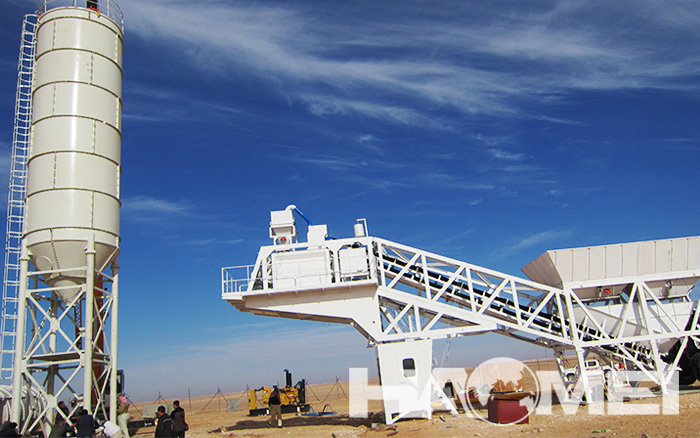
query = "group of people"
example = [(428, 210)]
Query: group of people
[(85, 425), (172, 425)]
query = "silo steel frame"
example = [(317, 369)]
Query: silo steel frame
[(60, 355)]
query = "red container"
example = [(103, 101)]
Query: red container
[(506, 411)]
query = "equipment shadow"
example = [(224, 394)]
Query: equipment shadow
[(302, 420)]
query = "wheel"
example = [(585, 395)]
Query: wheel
[(695, 366), (685, 378)]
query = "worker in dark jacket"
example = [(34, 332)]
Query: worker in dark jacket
[(61, 429), (178, 418), (164, 425), (85, 425)]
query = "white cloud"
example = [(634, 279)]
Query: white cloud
[(407, 71), (338, 163), (367, 138), (331, 106), (562, 121), (505, 155), (536, 239), (149, 105), (152, 206), (493, 140), (168, 216)]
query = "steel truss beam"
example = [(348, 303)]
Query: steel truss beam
[(421, 295)]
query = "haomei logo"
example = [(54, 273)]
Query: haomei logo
[(498, 386)]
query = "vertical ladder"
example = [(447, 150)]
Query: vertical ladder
[(15, 198)]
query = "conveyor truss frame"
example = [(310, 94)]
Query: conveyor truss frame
[(417, 294)]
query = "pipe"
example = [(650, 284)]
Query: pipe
[(294, 208)]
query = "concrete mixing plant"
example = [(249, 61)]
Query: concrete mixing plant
[(628, 304), (60, 294)]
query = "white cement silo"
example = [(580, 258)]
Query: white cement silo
[(67, 317), (74, 160)]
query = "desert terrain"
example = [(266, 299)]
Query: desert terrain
[(208, 417)]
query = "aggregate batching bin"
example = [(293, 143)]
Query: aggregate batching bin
[(593, 271), (74, 159)]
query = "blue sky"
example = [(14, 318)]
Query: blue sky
[(484, 131)]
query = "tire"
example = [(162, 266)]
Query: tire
[(695, 366), (686, 378)]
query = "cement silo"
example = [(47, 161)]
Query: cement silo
[(74, 161), (69, 268)]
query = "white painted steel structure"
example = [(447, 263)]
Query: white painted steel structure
[(66, 347), (392, 293)]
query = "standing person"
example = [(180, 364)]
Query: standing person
[(164, 425), (85, 425), (92, 4), (275, 407), (63, 407), (178, 418), (123, 416)]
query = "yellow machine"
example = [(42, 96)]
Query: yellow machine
[(293, 398)]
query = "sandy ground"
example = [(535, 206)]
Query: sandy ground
[(208, 418)]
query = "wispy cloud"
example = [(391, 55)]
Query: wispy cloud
[(149, 104), (150, 205), (536, 239), (466, 59), (331, 106), (332, 162), (506, 155), (493, 140), (562, 121), (367, 138), (371, 144), (154, 211)]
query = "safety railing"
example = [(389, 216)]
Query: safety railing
[(236, 278), (108, 8), (284, 270)]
